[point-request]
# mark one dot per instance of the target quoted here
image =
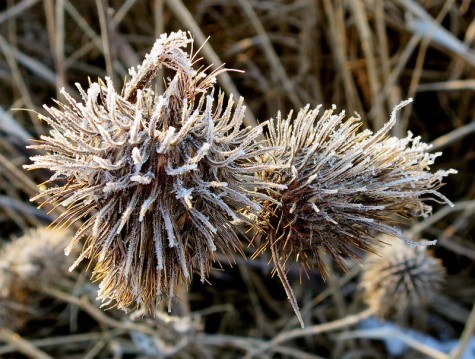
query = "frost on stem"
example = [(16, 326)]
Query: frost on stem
[(158, 179), (343, 186)]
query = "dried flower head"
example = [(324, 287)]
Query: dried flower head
[(343, 186), (400, 276), (27, 262), (34, 258), (161, 177)]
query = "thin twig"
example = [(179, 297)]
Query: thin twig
[(249, 345), (22, 345), (314, 330), (381, 333), (96, 313), (467, 333), (285, 282)]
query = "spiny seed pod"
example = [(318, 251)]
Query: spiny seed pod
[(27, 262), (400, 276), (32, 259), (160, 177), (343, 186)]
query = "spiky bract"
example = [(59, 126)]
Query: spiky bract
[(400, 276), (343, 186), (161, 177)]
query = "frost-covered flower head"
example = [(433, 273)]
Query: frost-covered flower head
[(400, 276), (157, 178), (32, 260), (343, 186)]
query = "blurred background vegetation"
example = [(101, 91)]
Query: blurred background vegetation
[(364, 56)]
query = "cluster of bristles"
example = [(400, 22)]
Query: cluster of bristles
[(163, 182), (400, 277), (28, 263)]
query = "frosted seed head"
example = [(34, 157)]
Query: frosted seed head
[(32, 260), (400, 277), (342, 187), (348, 185), (162, 175)]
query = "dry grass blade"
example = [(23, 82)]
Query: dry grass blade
[(36, 67), (393, 333), (18, 80), (22, 345), (17, 176), (452, 136), (106, 24), (270, 53), (208, 52), (338, 36), (428, 27), (16, 10), (19, 207), (454, 85), (421, 56), (458, 206), (12, 127), (465, 338), (369, 54)]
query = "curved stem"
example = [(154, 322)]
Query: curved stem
[(284, 280)]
